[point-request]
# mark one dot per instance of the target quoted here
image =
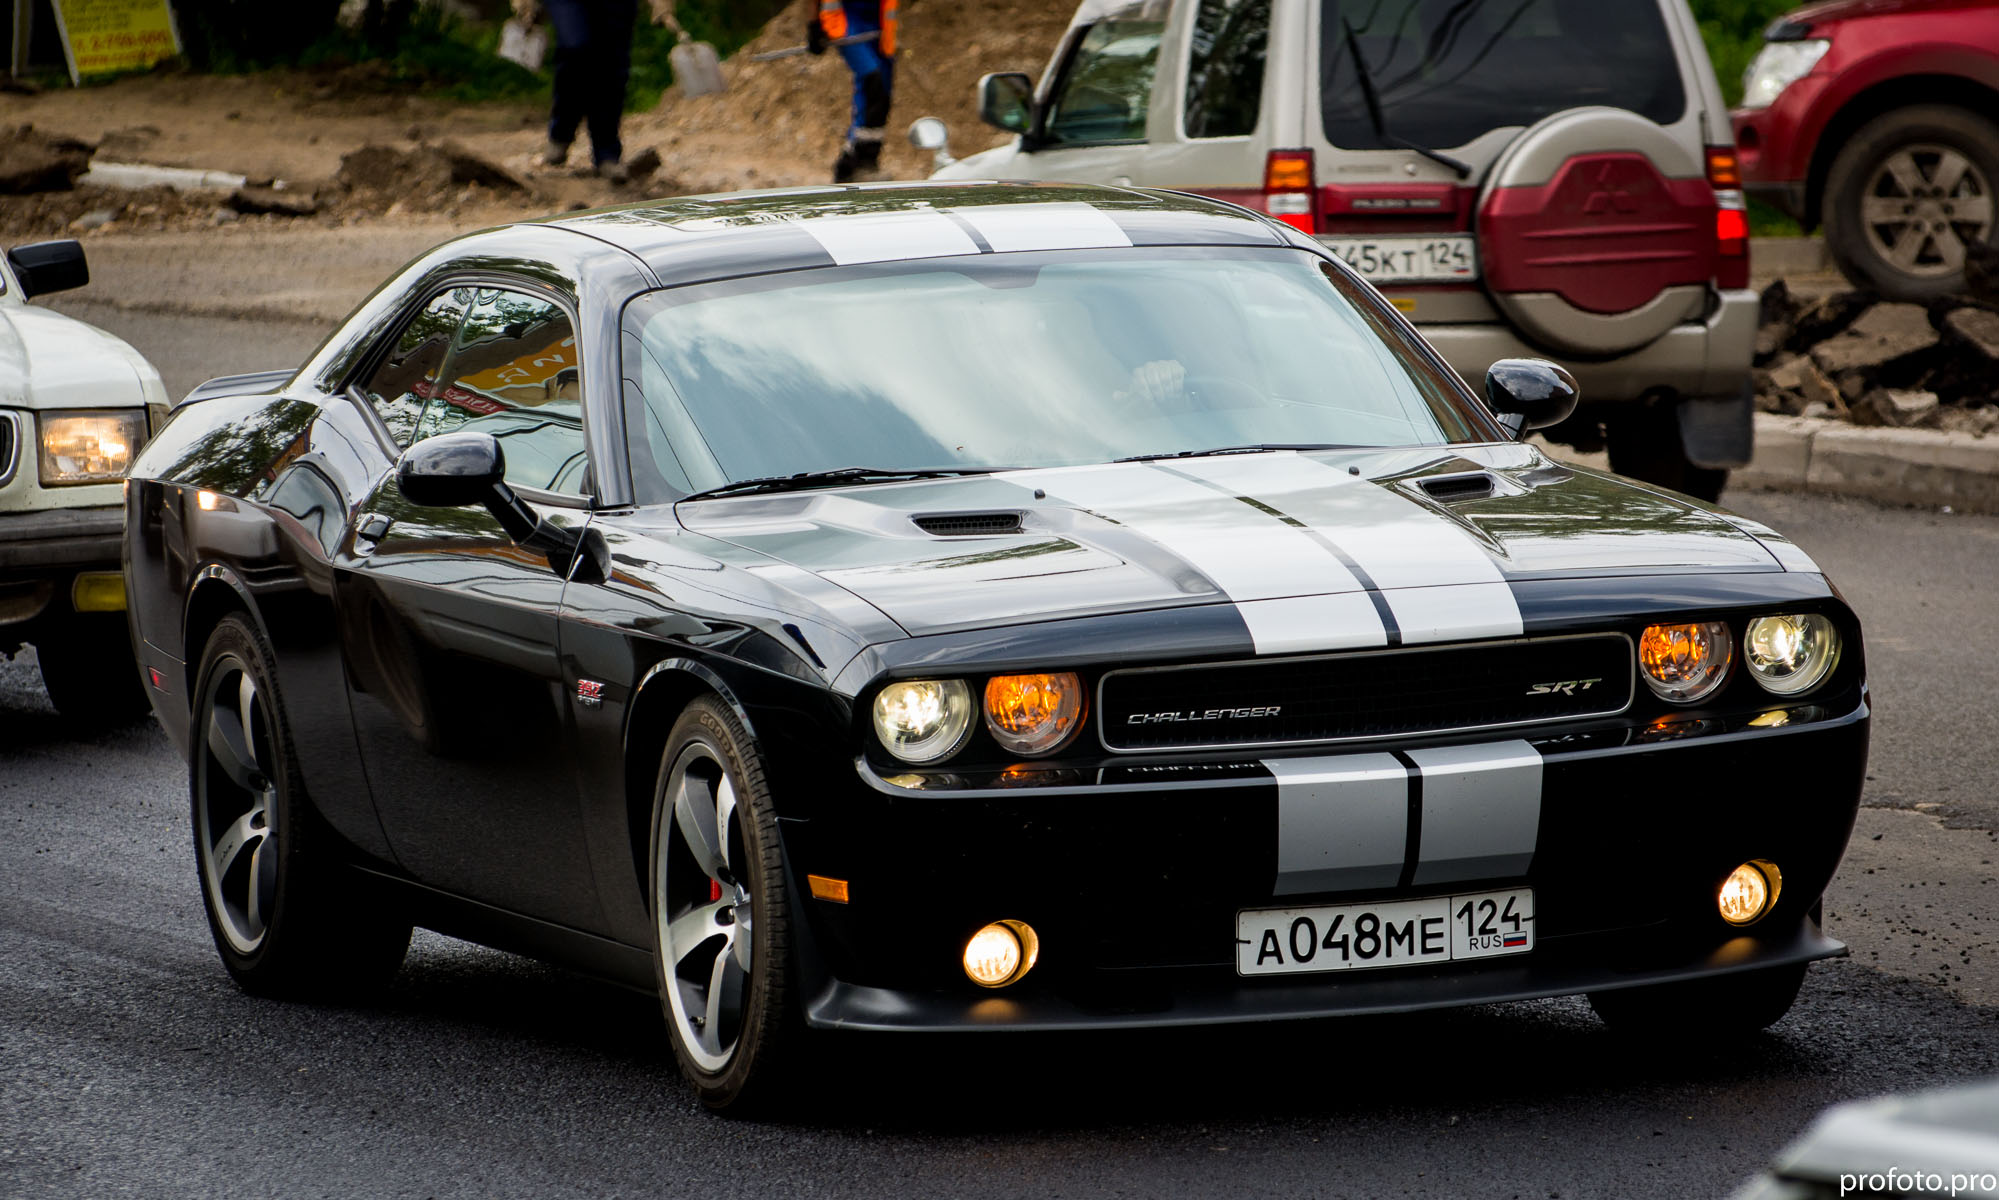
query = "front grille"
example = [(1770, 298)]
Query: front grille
[(7, 446), (1376, 694)]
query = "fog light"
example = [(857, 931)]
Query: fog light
[(1001, 953), (98, 591), (1749, 892)]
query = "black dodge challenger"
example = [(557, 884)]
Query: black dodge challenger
[(964, 607)]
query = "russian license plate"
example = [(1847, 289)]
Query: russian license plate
[(1416, 258), (1395, 933)]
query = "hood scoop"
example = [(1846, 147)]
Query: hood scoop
[(1469, 485), (968, 524)]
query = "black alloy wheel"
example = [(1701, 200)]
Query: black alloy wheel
[(721, 913), (288, 920)]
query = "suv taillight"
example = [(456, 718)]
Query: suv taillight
[(1724, 169), (1731, 218), (1288, 186)]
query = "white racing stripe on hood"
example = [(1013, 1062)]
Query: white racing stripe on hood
[(1440, 584), (1012, 227), (1293, 593), (890, 237)]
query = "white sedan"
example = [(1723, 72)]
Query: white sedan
[(75, 404)]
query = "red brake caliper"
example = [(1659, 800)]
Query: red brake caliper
[(714, 890)]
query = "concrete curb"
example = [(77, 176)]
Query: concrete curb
[(1778, 257), (1902, 466)]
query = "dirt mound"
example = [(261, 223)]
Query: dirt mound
[(782, 122), (421, 178), (1852, 357), (33, 161), (90, 209)]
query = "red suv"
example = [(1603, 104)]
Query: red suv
[(1875, 118)]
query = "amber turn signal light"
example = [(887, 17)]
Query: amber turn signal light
[(1034, 714)]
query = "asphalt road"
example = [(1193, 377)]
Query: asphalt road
[(130, 1065)]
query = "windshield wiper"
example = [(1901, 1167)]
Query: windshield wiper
[(833, 478), (1257, 448), (1373, 102)]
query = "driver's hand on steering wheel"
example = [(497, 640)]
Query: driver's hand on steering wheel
[(1153, 384)]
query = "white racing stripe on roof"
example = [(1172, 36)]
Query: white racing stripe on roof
[(1293, 594), (1015, 227), (889, 237), (1438, 581)]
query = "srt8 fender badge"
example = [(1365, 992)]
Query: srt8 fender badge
[(589, 693), (1567, 687)]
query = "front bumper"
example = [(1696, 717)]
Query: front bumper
[(41, 540), (1132, 878), (1710, 357)]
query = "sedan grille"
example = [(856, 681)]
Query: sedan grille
[(1378, 694), (7, 446)]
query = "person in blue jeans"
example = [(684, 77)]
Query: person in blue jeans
[(593, 58), (872, 62)]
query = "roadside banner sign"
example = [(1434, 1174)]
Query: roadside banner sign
[(103, 36)]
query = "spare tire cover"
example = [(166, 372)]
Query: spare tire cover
[(1597, 232)]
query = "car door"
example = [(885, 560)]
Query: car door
[(450, 627), (1160, 95)]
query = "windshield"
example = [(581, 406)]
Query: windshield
[(1450, 70), (1019, 360)]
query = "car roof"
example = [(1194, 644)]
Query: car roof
[(705, 237)]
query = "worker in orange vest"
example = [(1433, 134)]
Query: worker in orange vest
[(873, 63)]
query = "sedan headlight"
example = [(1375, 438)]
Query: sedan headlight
[(923, 720), (1685, 663), (1777, 66), (1034, 714), (89, 447), (1792, 653)]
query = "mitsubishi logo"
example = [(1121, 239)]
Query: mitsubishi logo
[(1608, 195)]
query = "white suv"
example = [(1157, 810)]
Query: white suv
[(1548, 178), (75, 405)]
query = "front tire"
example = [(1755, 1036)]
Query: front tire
[(721, 927), (1905, 195), (288, 920), (90, 674), (1735, 1005), (1644, 443)]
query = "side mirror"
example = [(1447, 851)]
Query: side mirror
[(1529, 393), (45, 267), (929, 133), (452, 470), (1006, 100)]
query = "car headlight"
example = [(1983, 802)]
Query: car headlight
[(1685, 663), (89, 447), (1034, 714), (1791, 653), (1777, 66), (924, 720)]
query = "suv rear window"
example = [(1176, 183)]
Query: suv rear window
[(1449, 70)]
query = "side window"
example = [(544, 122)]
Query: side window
[(515, 373), (414, 369), (1104, 91), (1225, 67)]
